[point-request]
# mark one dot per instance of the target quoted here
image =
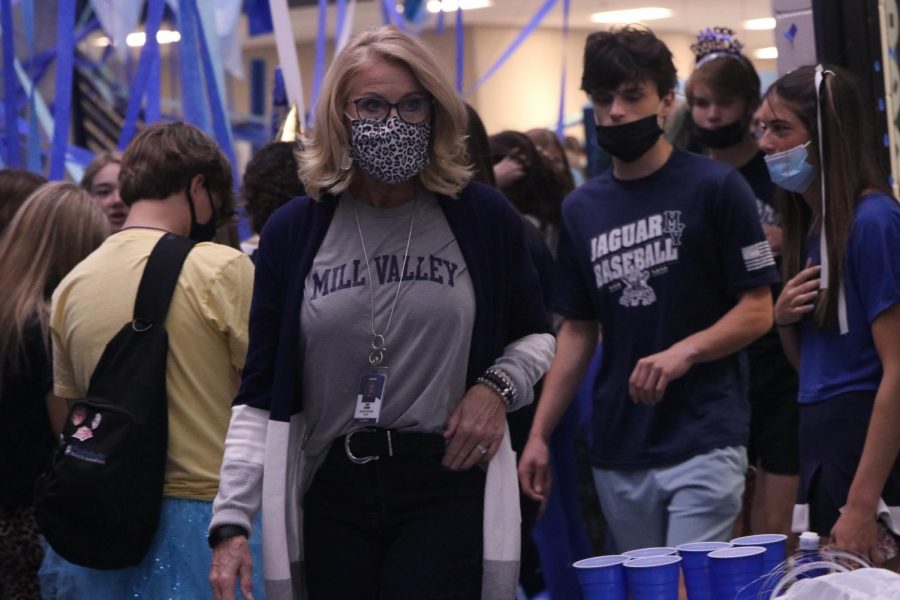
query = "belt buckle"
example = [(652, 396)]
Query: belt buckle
[(360, 460)]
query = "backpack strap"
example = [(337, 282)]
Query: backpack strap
[(160, 277)]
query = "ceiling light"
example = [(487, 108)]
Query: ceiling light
[(436, 6), (763, 24), (163, 36), (633, 15), (764, 53)]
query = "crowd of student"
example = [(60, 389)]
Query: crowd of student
[(345, 410)]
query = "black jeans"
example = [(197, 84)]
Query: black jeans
[(397, 528)]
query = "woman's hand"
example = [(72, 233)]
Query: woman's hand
[(857, 531), (230, 560), (798, 296), (475, 429)]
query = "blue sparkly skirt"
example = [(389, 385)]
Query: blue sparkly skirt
[(176, 566)]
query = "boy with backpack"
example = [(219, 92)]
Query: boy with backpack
[(176, 182)]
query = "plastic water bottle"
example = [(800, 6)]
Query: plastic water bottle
[(809, 552)]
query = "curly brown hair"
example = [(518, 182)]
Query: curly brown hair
[(269, 181)]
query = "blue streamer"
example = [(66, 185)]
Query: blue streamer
[(10, 104), (340, 18), (321, 34), (523, 35), (65, 59), (192, 97), (151, 111), (439, 27), (38, 65), (460, 49), (561, 117), (33, 139), (414, 12), (259, 17), (221, 126), (390, 16), (141, 79)]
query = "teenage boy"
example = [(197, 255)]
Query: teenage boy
[(175, 179), (665, 253)]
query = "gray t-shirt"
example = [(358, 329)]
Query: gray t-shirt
[(430, 333)]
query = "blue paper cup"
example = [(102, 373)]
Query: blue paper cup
[(603, 577), (653, 578), (648, 552), (774, 543), (695, 565), (735, 572)]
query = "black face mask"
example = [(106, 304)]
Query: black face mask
[(202, 232), (630, 141), (722, 137)]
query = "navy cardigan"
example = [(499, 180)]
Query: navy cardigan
[(508, 303)]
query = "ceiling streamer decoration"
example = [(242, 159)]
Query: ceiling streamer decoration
[(10, 107), (561, 117), (118, 18), (65, 64), (143, 75), (526, 32), (287, 53), (344, 25)]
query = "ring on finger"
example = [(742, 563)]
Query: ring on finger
[(481, 449)]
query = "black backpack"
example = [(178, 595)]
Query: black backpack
[(99, 504)]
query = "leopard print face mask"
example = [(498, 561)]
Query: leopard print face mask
[(391, 151)]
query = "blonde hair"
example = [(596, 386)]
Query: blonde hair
[(95, 166), (326, 147), (56, 227)]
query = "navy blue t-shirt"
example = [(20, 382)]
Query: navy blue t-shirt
[(655, 260), (768, 347), (832, 364)]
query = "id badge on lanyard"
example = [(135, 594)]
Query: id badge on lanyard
[(370, 395)]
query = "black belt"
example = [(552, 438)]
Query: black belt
[(366, 445)]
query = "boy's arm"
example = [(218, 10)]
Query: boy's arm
[(749, 319), (575, 346)]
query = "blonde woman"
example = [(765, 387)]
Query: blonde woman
[(396, 319), (56, 227)]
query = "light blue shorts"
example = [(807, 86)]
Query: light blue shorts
[(693, 501)]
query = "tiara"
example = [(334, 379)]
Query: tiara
[(714, 42)]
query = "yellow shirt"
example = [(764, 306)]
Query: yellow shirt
[(207, 327)]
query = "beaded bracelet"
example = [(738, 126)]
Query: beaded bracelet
[(500, 382)]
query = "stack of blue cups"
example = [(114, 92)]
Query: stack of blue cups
[(653, 577), (735, 572), (603, 577), (695, 564), (775, 544), (648, 574), (712, 570)]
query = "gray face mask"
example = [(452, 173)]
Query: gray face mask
[(392, 151)]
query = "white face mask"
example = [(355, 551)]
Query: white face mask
[(392, 151)]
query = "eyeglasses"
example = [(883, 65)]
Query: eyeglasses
[(413, 110)]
